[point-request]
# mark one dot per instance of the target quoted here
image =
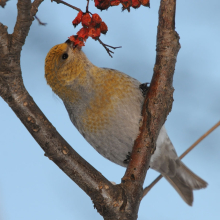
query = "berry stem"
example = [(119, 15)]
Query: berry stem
[(65, 3), (87, 7), (106, 47)]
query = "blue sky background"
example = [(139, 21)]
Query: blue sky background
[(33, 187)]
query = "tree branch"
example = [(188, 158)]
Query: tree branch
[(3, 39), (3, 3), (34, 7), (22, 25), (39, 21), (106, 47), (65, 3), (112, 202), (107, 198), (158, 102)]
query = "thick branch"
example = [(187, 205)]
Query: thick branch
[(107, 198), (26, 13), (22, 25), (34, 7), (3, 44), (158, 101), (113, 202), (3, 3), (56, 148)]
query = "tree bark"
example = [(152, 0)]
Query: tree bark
[(112, 202)]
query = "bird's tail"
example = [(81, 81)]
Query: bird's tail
[(185, 181)]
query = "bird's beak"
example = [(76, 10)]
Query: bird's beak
[(70, 43)]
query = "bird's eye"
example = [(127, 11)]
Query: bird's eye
[(64, 56)]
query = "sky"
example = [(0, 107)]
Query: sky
[(33, 187)]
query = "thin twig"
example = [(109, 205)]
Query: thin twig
[(200, 139), (39, 21), (65, 3), (148, 188), (106, 47), (87, 6)]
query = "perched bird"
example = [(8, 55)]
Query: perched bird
[(105, 106)]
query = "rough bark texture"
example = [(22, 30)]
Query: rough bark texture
[(3, 3), (158, 102), (112, 202)]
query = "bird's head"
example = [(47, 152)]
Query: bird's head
[(62, 62), (63, 65)]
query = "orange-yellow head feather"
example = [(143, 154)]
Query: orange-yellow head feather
[(63, 65)]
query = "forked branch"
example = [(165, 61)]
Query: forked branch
[(112, 202)]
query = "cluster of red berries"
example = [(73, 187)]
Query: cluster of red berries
[(126, 4), (93, 26)]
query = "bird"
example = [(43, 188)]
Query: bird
[(105, 106)]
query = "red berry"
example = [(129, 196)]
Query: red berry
[(103, 27), (86, 19), (77, 19)]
